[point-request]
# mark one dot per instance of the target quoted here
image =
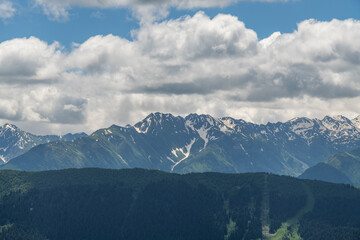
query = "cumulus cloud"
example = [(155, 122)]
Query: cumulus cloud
[(197, 37), (192, 64), (6, 10), (29, 60)]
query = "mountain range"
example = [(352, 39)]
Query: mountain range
[(201, 143), (14, 141)]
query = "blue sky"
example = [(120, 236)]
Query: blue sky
[(263, 17), (134, 57)]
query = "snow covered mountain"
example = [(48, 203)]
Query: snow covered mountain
[(200, 143), (14, 141)]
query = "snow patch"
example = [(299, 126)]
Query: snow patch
[(186, 154), (132, 138), (138, 130), (9, 126), (170, 160), (189, 124), (144, 128), (225, 129), (230, 123), (242, 147), (4, 149), (107, 131), (301, 126), (203, 135)]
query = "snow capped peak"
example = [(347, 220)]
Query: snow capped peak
[(14, 141), (294, 119), (209, 128), (330, 122), (156, 122), (336, 118), (301, 125), (341, 118), (9, 126), (8, 130), (300, 119), (340, 126), (202, 121), (158, 116)]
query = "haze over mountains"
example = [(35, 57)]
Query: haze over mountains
[(201, 143)]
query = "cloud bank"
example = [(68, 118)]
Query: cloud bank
[(191, 64)]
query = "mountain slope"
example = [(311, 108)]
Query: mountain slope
[(14, 141), (325, 172), (201, 143), (343, 167), (135, 204)]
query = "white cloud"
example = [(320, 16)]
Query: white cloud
[(192, 64), (145, 10), (6, 10), (197, 37), (29, 59)]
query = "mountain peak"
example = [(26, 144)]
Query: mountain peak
[(157, 120), (341, 118), (328, 118), (205, 120), (300, 119), (14, 141), (9, 126), (336, 118), (158, 115)]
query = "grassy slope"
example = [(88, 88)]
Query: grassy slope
[(347, 163), (289, 229)]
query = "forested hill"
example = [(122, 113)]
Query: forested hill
[(343, 167), (142, 204)]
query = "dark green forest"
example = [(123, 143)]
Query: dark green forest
[(136, 204)]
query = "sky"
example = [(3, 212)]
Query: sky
[(81, 65)]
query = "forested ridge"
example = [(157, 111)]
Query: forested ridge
[(136, 204)]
